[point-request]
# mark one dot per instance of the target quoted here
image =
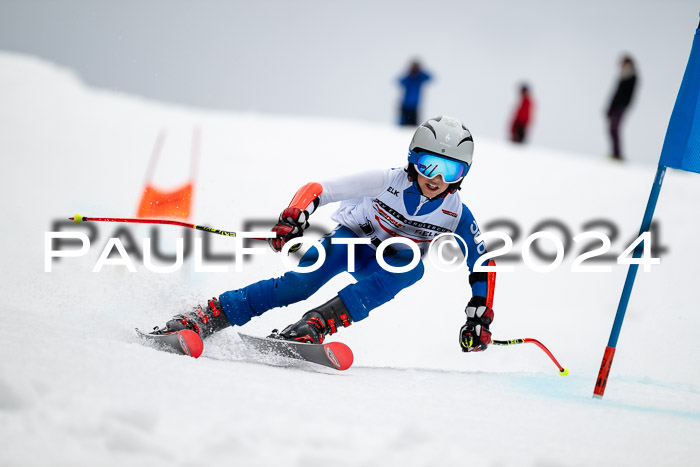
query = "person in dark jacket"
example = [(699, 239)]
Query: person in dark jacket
[(620, 103), (412, 83), (522, 116)]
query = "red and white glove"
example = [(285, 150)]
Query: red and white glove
[(291, 224), (474, 336)]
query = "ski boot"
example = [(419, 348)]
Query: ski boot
[(317, 323), (204, 322)]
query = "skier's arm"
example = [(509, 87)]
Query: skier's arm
[(475, 334), (315, 194), (468, 230), (295, 217), (369, 183)]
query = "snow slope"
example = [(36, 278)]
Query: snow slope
[(77, 388), (317, 58)]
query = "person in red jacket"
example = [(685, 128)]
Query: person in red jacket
[(522, 117)]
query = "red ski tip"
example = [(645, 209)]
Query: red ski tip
[(190, 342), (339, 354)]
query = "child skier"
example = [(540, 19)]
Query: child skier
[(418, 202)]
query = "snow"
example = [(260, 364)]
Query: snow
[(78, 388), (318, 58)]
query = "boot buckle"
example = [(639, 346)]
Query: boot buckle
[(331, 324)]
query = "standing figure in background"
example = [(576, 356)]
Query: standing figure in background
[(412, 83), (620, 102), (522, 117)]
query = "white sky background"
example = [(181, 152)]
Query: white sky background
[(341, 59)]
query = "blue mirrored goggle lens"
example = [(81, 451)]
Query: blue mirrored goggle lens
[(430, 166)]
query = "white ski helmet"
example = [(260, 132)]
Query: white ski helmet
[(443, 136)]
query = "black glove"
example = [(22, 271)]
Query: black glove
[(475, 336), (291, 224)]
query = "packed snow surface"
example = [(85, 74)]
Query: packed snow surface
[(78, 388)]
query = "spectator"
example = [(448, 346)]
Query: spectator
[(522, 117), (620, 102), (412, 83)]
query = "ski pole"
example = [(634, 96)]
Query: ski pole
[(491, 280), (563, 371), (78, 219)]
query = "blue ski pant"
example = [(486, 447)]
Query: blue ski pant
[(374, 287)]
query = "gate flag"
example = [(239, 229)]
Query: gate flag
[(681, 148)]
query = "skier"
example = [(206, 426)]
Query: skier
[(418, 202)]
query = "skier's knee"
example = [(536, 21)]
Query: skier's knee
[(416, 273), (411, 276), (293, 287)]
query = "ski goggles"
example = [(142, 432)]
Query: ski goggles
[(431, 165)]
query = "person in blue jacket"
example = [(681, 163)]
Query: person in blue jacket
[(412, 83), (416, 203)]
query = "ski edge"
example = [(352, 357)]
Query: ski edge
[(336, 355)]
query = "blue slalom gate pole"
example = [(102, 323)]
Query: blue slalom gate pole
[(602, 380)]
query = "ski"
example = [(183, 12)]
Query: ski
[(334, 355), (183, 342)]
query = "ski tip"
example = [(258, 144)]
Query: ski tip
[(339, 354), (188, 342), (191, 343)]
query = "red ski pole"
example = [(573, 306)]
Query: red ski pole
[(78, 219), (563, 371), (491, 280)]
